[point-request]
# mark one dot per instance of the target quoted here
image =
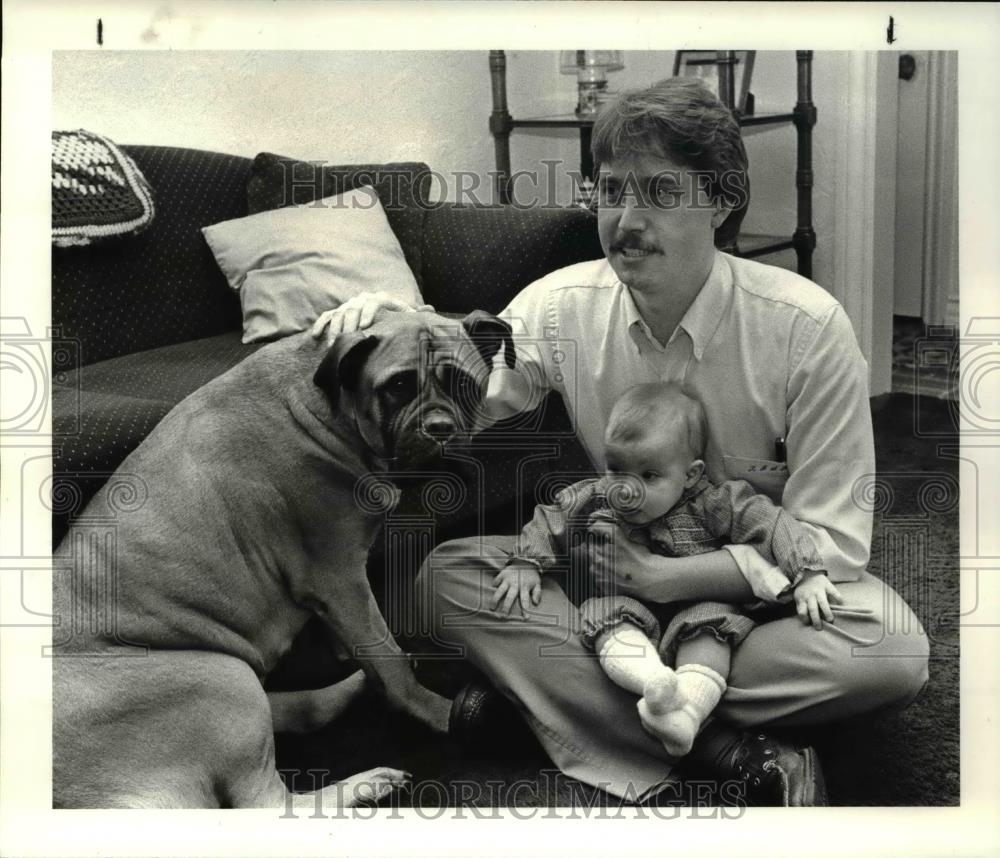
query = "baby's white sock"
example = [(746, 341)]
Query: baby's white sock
[(674, 712), (630, 659)]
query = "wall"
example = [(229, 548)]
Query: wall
[(338, 106), (342, 106), (349, 106)]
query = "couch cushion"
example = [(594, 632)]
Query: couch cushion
[(103, 411), (163, 285), (403, 188), (481, 257)]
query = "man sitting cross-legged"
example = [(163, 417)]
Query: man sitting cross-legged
[(775, 364)]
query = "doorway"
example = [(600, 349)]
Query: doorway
[(925, 285)]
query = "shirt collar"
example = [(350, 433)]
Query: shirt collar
[(637, 327), (703, 316)]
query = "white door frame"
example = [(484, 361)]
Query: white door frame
[(940, 286), (865, 207)]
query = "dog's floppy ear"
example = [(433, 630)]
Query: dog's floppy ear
[(489, 333), (341, 368)]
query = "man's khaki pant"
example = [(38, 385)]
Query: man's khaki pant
[(784, 674)]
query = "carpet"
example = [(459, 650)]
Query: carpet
[(910, 758), (925, 359)]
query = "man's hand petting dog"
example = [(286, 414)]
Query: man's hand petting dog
[(813, 596), (518, 583), (358, 313)]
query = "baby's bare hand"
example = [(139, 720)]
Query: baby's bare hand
[(518, 582), (813, 596)]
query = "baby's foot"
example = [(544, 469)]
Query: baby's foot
[(659, 692), (665, 714), (674, 708)]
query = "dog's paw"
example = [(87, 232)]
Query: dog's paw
[(372, 786)]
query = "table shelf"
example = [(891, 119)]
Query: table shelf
[(751, 245), (571, 120)]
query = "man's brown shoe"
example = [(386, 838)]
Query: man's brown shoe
[(770, 772)]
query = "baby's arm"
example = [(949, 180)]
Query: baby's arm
[(544, 538), (541, 543), (735, 511), (780, 538)]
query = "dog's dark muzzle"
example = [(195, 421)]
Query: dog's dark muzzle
[(439, 426), (421, 440)]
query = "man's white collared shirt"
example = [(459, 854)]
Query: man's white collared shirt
[(769, 354)]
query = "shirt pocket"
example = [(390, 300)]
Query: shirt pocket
[(767, 476)]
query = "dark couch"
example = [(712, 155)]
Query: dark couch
[(142, 322)]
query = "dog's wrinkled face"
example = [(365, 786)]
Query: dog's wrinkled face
[(415, 381)]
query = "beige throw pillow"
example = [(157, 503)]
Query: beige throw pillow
[(291, 264)]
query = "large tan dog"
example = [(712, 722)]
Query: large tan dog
[(251, 526)]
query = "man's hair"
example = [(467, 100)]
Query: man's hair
[(679, 118), (658, 408)]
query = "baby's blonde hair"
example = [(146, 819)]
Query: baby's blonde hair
[(661, 408)]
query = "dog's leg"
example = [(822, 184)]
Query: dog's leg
[(175, 729), (311, 710), (353, 615), (251, 780), (241, 738)]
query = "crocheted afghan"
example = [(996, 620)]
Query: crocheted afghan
[(97, 191)]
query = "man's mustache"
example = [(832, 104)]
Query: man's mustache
[(631, 243)]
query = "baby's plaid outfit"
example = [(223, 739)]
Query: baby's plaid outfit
[(706, 517)]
